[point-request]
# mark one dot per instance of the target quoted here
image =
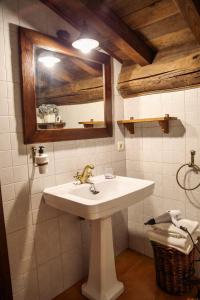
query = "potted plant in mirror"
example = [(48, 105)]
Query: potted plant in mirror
[(48, 112)]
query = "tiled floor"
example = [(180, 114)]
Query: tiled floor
[(137, 273)]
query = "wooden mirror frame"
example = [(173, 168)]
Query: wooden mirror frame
[(29, 39)]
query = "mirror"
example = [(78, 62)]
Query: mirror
[(66, 94), (69, 91)]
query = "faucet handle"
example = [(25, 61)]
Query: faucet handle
[(77, 176)]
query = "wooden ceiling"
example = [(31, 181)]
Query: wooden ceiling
[(71, 81), (156, 40), (68, 70)]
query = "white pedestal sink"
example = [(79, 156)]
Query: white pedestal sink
[(114, 195)]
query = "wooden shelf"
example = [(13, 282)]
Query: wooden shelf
[(162, 121), (89, 124)]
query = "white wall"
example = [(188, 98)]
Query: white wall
[(48, 250), (150, 154), (72, 114)]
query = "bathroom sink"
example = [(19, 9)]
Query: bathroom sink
[(114, 195)]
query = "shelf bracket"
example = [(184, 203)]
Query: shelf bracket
[(164, 126), (88, 125)]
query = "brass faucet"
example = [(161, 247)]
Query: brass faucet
[(87, 172)]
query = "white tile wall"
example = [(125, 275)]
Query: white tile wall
[(150, 154), (47, 248)]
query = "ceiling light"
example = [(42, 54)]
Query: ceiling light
[(85, 42), (48, 60)]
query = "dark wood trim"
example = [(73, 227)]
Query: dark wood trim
[(189, 9), (5, 279), (101, 19), (29, 39)]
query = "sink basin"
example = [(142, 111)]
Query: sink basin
[(114, 195)]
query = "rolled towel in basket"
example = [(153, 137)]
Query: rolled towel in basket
[(173, 231)]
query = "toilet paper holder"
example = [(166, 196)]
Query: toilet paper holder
[(40, 159)]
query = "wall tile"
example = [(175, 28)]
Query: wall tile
[(50, 279), (70, 232), (21, 251), (191, 100), (17, 141), (20, 173), (65, 165), (4, 124), (5, 143), (120, 237), (8, 192), (4, 107), (172, 102), (72, 264), (39, 184), (17, 214), (47, 241), (136, 236), (26, 287), (2, 56), (19, 157), (3, 89), (40, 211), (5, 159), (12, 55), (6, 175)]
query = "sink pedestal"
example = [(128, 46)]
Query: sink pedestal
[(102, 282)]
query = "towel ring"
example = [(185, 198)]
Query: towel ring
[(194, 167)]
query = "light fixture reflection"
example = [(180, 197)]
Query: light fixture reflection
[(85, 44), (48, 60)]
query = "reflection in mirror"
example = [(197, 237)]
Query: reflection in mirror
[(69, 91)]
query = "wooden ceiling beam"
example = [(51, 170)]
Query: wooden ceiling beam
[(122, 36), (101, 19), (79, 97), (75, 86), (189, 9), (58, 73), (87, 67), (62, 75), (111, 53)]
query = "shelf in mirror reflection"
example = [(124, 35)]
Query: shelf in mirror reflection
[(51, 125), (89, 124)]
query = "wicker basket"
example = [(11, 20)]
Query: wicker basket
[(174, 270)]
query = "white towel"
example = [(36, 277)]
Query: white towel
[(171, 230), (184, 245)]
